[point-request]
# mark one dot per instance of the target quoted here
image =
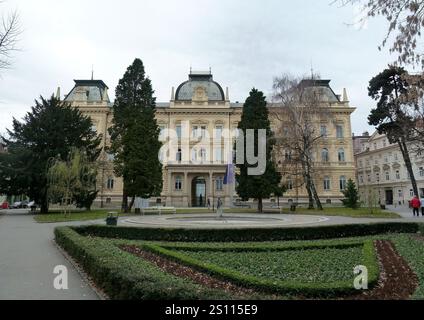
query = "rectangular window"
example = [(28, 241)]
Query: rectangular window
[(219, 184), (218, 132), (327, 184), (195, 132), (340, 131), (324, 131), (178, 183), (178, 130), (218, 155), (421, 171)]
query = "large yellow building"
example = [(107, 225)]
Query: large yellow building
[(198, 128)]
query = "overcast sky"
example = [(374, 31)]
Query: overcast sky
[(246, 43)]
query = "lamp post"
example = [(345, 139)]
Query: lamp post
[(213, 194)]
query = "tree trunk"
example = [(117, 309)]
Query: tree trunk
[(316, 197), (408, 164), (307, 178), (44, 207), (124, 201), (260, 206), (44, 203), (131, 204)]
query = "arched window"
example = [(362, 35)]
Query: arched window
[(342, 183), (341, 154), (325, 155), (178, 183)]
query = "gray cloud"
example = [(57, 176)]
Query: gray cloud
[(246, 43)]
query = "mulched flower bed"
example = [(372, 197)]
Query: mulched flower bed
[(397, 280), (185, 272)]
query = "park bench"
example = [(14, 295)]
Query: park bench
[(158, 210)]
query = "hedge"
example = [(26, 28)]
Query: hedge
[(327, 290), (125, 276), (243, 235)]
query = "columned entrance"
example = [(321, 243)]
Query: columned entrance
[(198, 192), (389, 197)]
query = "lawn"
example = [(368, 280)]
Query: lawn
[(348, 212), (333, 211), (56, 216), (302, 265)]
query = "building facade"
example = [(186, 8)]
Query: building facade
[(198, 129), (382, 175)]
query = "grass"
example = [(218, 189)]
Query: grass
[(303, 265), (348, 212), (56, 216), (333, 211)]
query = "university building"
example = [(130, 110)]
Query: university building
[(198, 127), (381, 171)]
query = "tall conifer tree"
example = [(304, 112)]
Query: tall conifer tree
[(255, 116), (135, 136)]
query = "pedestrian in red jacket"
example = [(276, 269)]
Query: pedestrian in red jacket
[(416, 204)]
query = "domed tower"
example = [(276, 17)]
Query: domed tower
[(200, 89)]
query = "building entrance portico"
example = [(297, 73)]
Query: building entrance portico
[(198, 192)]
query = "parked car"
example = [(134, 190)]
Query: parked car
[(16, 205), (20, 205)]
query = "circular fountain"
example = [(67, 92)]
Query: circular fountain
[(209, 221)]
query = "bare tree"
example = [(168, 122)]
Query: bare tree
[(405, 18), (10, 31), (300, 109)]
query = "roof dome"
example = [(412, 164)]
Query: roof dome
[(199, 80)]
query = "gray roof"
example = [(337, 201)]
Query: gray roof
[(321, 88), (88, 91), (185, 91)]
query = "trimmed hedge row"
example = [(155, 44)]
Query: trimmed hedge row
[(125, 276), (243, 235), (330, 289)]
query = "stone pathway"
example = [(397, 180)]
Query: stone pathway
[(27, 260)]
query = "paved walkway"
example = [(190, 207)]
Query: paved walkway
[(27, 260), (404, 211)]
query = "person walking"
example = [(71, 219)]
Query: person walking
[(422, 206), (219, 208), (416, 204), (209, 203)]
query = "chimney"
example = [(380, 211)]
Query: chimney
[(345, 97), (58, 93), (173, 93), (104, 97)]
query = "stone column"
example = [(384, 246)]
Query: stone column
[(186, 195), (169, 195)]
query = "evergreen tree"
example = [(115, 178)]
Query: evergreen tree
[(135, 136), (255, 116), (51, 130), (351, 195), (390, 117)]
